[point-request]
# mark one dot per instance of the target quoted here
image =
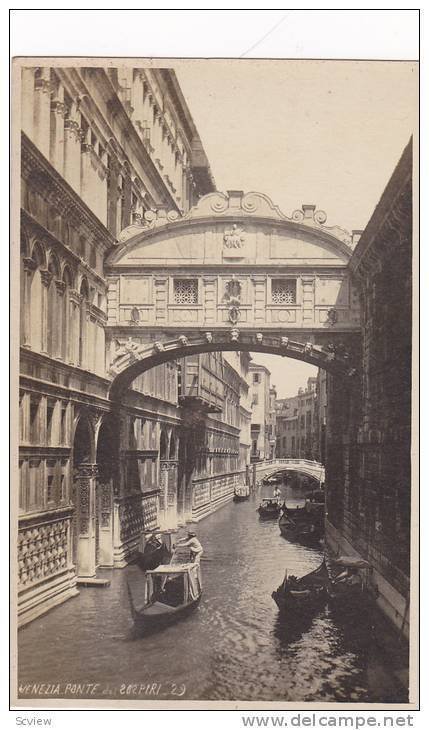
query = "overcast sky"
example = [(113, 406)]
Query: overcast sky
[(328, 133)]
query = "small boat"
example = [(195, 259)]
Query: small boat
[(269, 509), (317, 496), (350, 591), (303, 594), (172, 591), (305, 531), (152, 556), (241, 494)]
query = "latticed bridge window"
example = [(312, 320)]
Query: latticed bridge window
[(283, 291), (186, 291)]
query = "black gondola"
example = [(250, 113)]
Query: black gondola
[(303, 523), (152, 556), (269, 509), (172, 591), (303, 594)]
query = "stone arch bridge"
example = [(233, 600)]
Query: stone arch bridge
[(234, 273)]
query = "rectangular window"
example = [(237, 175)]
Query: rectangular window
[(34, 420), (186, 291), (255, 399), (49, 420), (283, 291), (50, 488), (256, 378), (62, 488), (63, 424)]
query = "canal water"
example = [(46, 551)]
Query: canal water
[(234, 646)]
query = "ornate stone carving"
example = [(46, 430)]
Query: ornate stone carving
[(233, 240), (158, 347), (46, 277), (29, 264), (183, 340), (235, 334), (209, 336), (259, 337), (234, 314)]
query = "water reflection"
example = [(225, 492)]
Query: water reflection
[(235, 645)]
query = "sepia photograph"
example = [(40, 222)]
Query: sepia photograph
[(215, 501)]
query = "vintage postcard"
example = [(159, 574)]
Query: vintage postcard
[(214, 502)]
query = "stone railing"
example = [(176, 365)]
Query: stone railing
[(212, 492), (307, 466)]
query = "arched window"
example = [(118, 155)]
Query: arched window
[(84, 292), (35, 303), (53, 310), (172, 447), (66, 316), (163, 446)]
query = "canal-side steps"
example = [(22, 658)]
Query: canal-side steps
[(90, 582)]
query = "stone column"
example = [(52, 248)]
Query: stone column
[(161, 299), (75, 303), (260, 299), (85, 519), (59, 333), (46, 277), (112, 195), (29, 268), (86, 150), (209, 301), (58, 111), (105, 521), (307, 306), (72, 142), (42, 110)]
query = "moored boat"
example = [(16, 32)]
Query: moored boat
[(302, 523), (303, 594), (172, 591), (241, 494), (269, 509), (350, 591)]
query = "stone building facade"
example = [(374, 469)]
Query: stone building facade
[(261, 412), (101, 148), (368, 473), (298, 424)]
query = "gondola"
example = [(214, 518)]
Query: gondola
[(305, 524), (303, 594), (152, 556), (172, 591), (305, 531), (348, 598), (269, 509), (241, 494)]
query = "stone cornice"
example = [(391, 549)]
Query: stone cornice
[(58, 191), (72, 256)]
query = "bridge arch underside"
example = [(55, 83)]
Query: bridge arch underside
[(131, 359), (316, 473)]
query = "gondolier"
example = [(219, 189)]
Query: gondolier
[(193, 544)]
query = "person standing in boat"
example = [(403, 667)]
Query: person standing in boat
[(193, 543), (276, 493)]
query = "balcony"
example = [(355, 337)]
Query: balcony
[(200, 386)]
